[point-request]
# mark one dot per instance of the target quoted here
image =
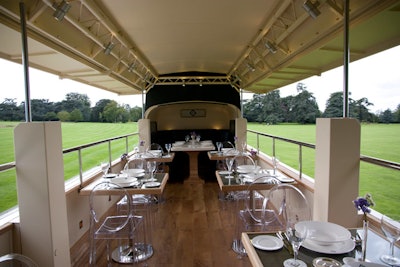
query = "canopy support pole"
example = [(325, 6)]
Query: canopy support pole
[(346, 61), (25, 62)]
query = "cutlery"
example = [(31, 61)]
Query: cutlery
[(286, 242)]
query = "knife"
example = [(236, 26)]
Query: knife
[(286, 242)]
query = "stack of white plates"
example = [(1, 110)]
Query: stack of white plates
[(326, 237), (248, 169), (179, 143), (124, 181), (133, 172)]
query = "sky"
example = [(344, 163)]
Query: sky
[(377, 78)]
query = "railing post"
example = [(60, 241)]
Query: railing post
[(109, 153), (80, 168), (126, 144), (273, 146), (300, 161)]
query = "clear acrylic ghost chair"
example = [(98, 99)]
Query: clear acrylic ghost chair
[(252, 213), (145, 206), (15, 259), (117, 226)]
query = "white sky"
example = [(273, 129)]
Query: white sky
[(377, 78)]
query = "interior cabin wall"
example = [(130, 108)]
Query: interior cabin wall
[(192, 116)]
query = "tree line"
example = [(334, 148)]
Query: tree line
[(75, 108), (303, 108), (263, 108)]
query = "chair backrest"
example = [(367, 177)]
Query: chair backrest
[(135, 163), (21, 259), (99, 203), (289, 205), (245, 161), (256, 200)]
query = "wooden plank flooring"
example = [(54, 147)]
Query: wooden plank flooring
[(193, 228)]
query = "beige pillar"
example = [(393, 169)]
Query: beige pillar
[(240, 131), (41, 193), (337, 163), (144, 133)]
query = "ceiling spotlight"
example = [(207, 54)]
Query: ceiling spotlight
[(131, 67), (108, 48), (312, 8), (271, 47), (251, 67), (61, 10)]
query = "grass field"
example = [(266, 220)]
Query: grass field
[(377, 140)]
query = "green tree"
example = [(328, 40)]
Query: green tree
[(396, 114), (9, 111), (76, 115), (63, 115), (76, 101), (271, 111), (111, 112), (98, 109), (386, 116), (252, 108), (361, 111), (40, 107), (135, 113), (304, 107)]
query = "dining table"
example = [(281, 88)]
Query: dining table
[(154, 187), (193, 148), (377, 245)]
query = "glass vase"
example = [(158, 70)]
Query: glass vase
[(364, 240)]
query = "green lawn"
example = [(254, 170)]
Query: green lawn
[(74, 134), (377, 140)]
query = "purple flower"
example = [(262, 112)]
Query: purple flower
[(253, 153), (141, 143), (363, 203)]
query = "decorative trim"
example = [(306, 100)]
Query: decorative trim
[(193, 113)]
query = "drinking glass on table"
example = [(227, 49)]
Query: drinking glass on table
[(296, 233), (275, 162), (105, 166), (168, 147), (391, 229), (151, 166), (229, 163), (219, 146)]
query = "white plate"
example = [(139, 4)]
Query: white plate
[(267, 242), (152, 184), (132, 172), (223, 172), (334, 248), (124, 181), (326, 233), (365, 264), (284, 179), (110, 175)]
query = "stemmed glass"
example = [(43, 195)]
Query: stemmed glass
[(168, 147), (219, 146), (391, 229), (229, 164), (296, 233), (151, 166), (275, 162), (105, 166)]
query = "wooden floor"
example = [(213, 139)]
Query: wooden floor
[(193, 228)]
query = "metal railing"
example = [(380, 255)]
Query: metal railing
[(371, 160), (11, 165)]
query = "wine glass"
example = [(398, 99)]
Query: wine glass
[(275, 162), (151, 166), (391, 229), (229, 164), (219, 146), (105, 166), (296, 233), (168, 147)]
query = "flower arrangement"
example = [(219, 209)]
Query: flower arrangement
[(124, 157), (253, 153), (364, 204), (142, 142)]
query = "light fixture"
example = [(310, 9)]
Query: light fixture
[(271, 47), (61, 10), (312, 8), (108, 48), (131, 67), (251, 67)]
